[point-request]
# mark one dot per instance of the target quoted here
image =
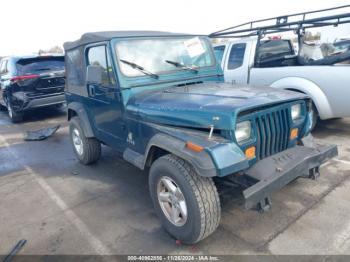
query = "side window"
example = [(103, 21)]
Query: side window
[(219, 52), (236, 56), (74, 68), (274, 48), (99, 56)]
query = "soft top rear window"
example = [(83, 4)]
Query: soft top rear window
[(40, 64)]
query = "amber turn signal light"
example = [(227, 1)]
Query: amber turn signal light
[(250, 152), (194, 147), (294, 133)]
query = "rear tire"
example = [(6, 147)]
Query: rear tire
[(15, 117), (87, 150), (188, 191), (2, 107)]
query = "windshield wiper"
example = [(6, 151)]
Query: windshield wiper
[(180, 65), (139, 68)]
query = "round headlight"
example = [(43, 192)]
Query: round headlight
[(243, 131), (295, 111)]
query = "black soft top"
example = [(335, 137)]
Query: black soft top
[(94, 37)]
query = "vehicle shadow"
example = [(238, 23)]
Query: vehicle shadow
[(41, 114), (338, 127), (35, 115)]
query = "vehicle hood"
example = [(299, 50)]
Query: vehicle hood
[(205, 104)]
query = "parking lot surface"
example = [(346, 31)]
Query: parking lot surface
[(63, 207)]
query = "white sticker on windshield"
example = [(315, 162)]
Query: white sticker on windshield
[(194, 47)]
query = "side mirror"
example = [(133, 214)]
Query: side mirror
[(94, 75)]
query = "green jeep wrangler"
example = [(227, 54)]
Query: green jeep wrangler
[(159, 99)]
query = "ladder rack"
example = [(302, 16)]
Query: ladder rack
[(295, 22)]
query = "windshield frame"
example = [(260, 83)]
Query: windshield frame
[(161, 74)]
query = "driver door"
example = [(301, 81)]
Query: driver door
[(105, 102)]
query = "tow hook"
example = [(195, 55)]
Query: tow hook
[(264, 205), (314, 173)]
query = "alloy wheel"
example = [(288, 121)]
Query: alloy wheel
[(172, 201), (77, 141)]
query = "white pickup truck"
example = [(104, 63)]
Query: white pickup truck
[(277, 65)]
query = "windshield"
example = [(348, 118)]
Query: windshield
[(158, 56), (219, 52), (342, 46)]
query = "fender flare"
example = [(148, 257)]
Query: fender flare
[(311, 89), (201, 161), (80, 111)]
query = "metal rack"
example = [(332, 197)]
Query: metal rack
[(295, 22)]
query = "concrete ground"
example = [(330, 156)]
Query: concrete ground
[(62, 207)]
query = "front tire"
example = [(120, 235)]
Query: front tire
[(87, 150), (187, 204), (314, 117)]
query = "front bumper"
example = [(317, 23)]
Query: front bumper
[(274, 172)]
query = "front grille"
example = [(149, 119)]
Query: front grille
[(272, 130)]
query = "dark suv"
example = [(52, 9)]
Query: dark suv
[(31, 82), (160, 100)]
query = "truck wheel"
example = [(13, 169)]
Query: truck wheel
[(187, 204), (88, 150), (15, 117), (314, 117)]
